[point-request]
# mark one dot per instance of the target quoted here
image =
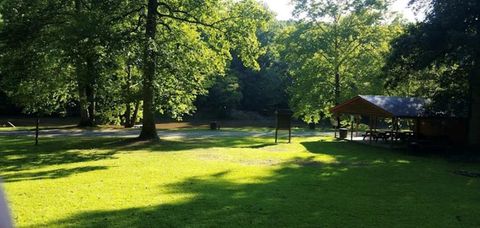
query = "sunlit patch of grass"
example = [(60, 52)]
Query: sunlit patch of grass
[(226, 181), (15, 128)]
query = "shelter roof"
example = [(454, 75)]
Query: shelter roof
[(383, 106)]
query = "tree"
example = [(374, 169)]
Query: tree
[(80, 35), (224, 96), (89, 40), (185, 43), (335, 52), (264, 91), (131, 89), (30, 74), (243, 88), (442, 54)]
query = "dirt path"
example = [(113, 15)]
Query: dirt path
[(162, 133)]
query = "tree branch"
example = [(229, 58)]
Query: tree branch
[(128, 13), (188, 17)]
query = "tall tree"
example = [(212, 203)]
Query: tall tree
[(185, 43), (31, 75), (442, 54), (88, 39), (148, 129), (336, 51), (78, 34)]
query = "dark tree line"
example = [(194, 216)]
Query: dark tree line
[(260, 91), (440, 58)]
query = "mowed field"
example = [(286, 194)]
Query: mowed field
[(232, 182)]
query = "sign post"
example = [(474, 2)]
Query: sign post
[(284, 122)]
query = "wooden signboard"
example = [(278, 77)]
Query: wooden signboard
[(284, 122)]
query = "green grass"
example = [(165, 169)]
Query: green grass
[(16, 128), (232, 182), (62, 127)]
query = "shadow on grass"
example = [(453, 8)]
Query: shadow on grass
[(50, 174), (361, 188), (276, 200), (17, 154), (165, 145)]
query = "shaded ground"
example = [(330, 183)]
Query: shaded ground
[(232, 182)]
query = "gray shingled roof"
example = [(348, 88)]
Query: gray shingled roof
[(399, 106)]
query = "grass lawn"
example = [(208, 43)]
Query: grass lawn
[(232, 182)]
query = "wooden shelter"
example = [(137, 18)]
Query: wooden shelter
[(426, 125)]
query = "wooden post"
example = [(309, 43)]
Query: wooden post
[(417, 128), (397, 128), (276, 135), (335, 130), (357, 123), (37, 123), (351, 128), (371, 128), (393, 130), (289, 135)]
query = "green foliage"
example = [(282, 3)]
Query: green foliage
[(265, 90), (344, 38), (224, 96), (30, 73), (260, 91), (53, 48), (94, 42), (191, 54), (435, 58), (440, 56)]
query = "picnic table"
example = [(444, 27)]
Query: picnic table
[(388, 134), (374, 134)]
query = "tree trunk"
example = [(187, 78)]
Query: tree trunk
[(337, 95), (91, 105), (133, 120), (83, 102), (85, 113), (337, 68), (87, 103), (128, 115), (474, 110), (90, 85), (128, 96), (149, 131)]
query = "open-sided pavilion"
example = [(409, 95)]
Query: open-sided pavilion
[(381, 107)]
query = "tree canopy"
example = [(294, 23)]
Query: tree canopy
[(112, 52), (334, 53), (439, 58), (121, 61)]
